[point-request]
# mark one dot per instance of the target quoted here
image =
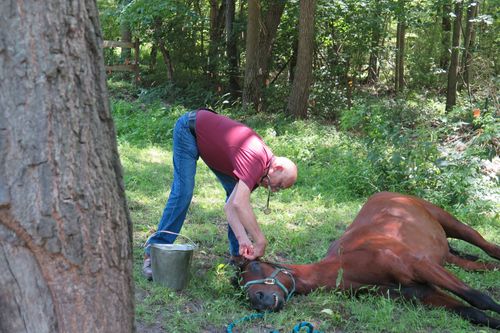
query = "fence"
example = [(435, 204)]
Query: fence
[(127, 66)]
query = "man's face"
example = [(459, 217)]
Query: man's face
[(275, 181)]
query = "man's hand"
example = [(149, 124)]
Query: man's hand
[(252, 252)]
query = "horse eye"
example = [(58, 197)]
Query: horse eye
[(255, 267)]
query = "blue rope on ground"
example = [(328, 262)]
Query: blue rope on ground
[(297, 328)]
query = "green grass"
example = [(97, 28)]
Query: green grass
[(334, 180)]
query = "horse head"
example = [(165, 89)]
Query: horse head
[(267, 285)]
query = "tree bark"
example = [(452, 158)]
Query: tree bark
[(400, 52), (65, 230), (232, 50), (468, 42), (126, 34), (446, 37), (252, 90), (268, 35), (260, 37), (152, 57), (160, 43), (451, 94), (299, 96), (376, 35), (167, 60), (217, 13), (293, 60)]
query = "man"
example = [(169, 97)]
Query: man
[(240, 160)]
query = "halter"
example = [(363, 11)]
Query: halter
[(273, 280)]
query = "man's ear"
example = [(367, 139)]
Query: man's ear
[(276, 167)]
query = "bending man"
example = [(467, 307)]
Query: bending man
[(240, 160)]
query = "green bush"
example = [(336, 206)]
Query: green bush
[(141, 123), (405, 141)]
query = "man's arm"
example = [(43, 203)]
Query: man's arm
[(242, 220)]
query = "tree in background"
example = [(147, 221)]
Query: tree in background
[(125, 32), (252, 87), (232, 50), (261, 30), (377, 31), (446, 35), (399, 81), (65, 231), (451, 92), (469, 38), (217, 22), (299, 95)]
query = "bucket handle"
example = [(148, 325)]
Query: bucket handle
[(169, 232)]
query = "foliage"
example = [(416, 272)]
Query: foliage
[(404, 140)]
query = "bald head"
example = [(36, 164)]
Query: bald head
[(287, 171)]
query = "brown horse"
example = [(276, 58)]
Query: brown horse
[(397, 243)]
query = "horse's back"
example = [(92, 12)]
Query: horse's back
[(396, 222)]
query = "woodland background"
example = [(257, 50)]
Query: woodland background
[(365, 95)]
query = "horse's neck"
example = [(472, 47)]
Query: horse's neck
[(312, 276)]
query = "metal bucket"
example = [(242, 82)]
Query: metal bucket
[(171, 264)]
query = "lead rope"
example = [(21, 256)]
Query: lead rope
[(296, 329)]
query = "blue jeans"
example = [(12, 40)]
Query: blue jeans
[(185, 156)]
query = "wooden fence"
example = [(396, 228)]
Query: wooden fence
[(128, 66)]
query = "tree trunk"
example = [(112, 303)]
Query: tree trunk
[(167, 60), (232, 50), (400, 52), (451, 94), (293, 60), (126, 34), (152, 57), (268, 35), (299, 96), (252, 86), (376, 35), (217, 12), (260, 37), (468, 42), (160, 43), (65, 231), (446, 37)]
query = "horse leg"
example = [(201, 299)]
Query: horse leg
[(456, 229), (433, 297), (470, 264), (434, 274)]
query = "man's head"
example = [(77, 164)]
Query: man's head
[(282, 174)]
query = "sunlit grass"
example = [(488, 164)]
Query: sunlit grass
[(333, 183)]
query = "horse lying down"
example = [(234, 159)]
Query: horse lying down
[(396, 243)]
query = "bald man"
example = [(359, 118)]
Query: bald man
[(240, 160)]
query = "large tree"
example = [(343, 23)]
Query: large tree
[(262, 26), (451, 92), (65, 231), (399, 82), (299, 96), (232, 50)]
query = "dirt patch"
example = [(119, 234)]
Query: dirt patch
[(148, 328)]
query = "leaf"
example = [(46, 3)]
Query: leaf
[(327, 311)]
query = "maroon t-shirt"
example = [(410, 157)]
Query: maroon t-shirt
[(232, 148)]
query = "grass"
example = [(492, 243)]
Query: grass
[(334, 181)]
